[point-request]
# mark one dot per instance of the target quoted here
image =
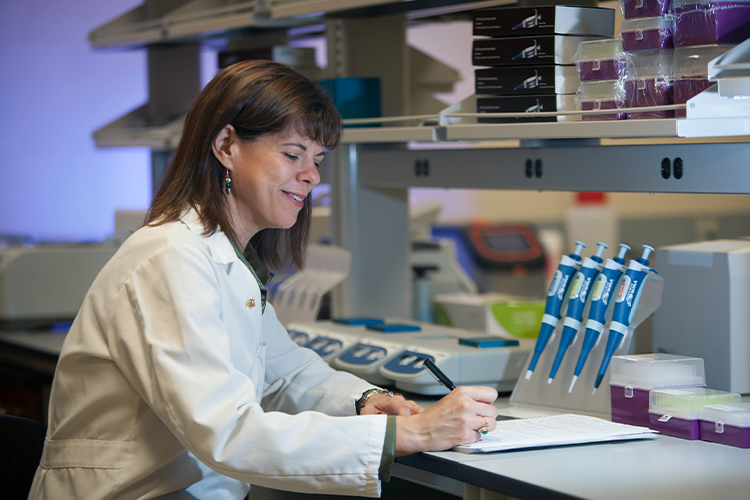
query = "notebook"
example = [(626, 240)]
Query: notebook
[(555, 430)]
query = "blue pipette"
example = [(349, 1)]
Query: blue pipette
[(555, 296), (576, 302), (626, 302), (603, 289)]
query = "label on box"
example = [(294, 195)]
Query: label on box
[(513, 80), (517, 104), (533, 50), (560, 19)]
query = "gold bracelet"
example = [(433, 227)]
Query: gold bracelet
[(362, 401)]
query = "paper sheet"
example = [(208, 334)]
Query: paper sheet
[(555, 430)]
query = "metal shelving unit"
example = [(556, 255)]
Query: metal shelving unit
[(195, 19), (133, 130), (375, 166)]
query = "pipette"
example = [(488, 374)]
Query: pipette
[(555, 296), (626, 302), (603, 288), (576, 302)]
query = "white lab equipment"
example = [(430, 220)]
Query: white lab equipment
[(43, 284), (392, 352), (705, 309), (500, 314), (298, 298)]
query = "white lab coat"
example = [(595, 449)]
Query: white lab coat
[(170, 383)]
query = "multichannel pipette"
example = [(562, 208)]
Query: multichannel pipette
[(603, 288), (626, 302), (579, 291), (555, 297)]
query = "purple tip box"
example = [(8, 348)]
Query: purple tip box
[(647, 34), (726, 424), (649, 82), (633, 377), (685, 428), (606, 94), (601, 70), (690, 75), (675, 412), (591, 105), (645, 92), (703, 22), (686, 88), (632, 9), (600, 60)]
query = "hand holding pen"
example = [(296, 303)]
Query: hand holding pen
[(432, 368)]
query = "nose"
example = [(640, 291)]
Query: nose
[(309, 173)]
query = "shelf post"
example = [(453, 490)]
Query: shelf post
[(373, 224)]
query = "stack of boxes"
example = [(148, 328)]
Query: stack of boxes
[(646, 35), (601, 66), (667, 393), (703, 30), (530, 52), (667, 45)]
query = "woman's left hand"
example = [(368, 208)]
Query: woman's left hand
[(382, 404)]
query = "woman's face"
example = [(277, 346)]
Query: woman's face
[(271, 177)]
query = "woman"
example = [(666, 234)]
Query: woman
[(176, 378)]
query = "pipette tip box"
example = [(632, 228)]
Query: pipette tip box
[(633, 377), (676, 412), (726, 424)]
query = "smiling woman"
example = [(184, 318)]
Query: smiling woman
[(246, 107), (177, 380), (271, 178)]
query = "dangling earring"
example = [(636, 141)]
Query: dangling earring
[(227, 182)]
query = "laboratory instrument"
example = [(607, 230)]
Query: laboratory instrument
[(43, 284), (628, 296), (388, 359), (500, 314), (705, 311), (577, 299), (555, 297), (603, 291)]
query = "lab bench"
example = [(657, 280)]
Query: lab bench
[(665, 468)]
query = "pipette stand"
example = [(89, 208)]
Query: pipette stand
[(536, 392)]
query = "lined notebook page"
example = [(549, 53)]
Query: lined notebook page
[(555, 430)]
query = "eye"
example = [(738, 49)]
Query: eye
[(317, 165), (291, 156)]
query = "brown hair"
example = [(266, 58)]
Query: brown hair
[(256, 98)]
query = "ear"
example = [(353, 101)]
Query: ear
[(222, 146)]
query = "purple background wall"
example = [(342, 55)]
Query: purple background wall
[(54, 92)]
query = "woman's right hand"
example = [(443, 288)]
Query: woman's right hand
[(455, 419)]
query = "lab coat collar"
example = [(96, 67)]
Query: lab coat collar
[(218, 244)]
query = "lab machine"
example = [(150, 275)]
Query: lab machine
[(504, 258), (705, 311), (496, 313), (392, 352), (43, 284)]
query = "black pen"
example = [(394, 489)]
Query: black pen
[(439, 376)]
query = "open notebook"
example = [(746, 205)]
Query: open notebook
[(555, 430)]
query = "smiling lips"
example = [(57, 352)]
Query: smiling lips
[(296, 199)]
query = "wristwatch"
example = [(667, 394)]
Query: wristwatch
[(362, 401)]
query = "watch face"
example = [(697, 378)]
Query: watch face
[(361, 402)]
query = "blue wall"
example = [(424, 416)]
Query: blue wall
[(54, 92)]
